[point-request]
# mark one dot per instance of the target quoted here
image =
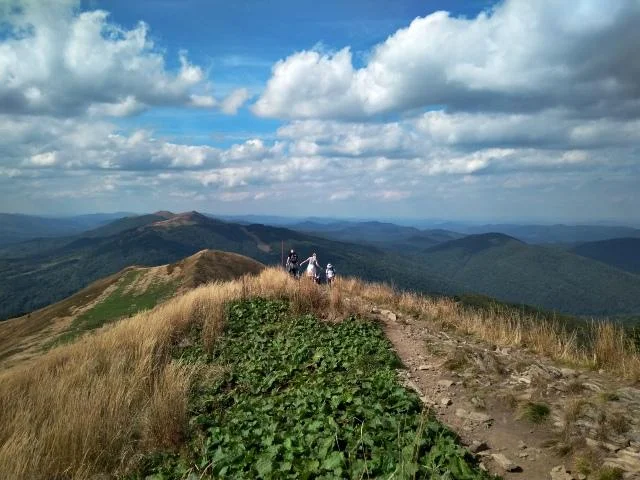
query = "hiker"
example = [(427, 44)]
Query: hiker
[(292, 263), (330, 273), (313, 268)]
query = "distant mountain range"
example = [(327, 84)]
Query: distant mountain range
[(41, 271), (381, 234), (541, 234), (17, 228)]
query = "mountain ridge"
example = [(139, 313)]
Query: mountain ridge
[(492, 264)]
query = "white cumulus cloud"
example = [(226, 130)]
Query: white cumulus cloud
[(519, 56), (55, 60), (235, 100)]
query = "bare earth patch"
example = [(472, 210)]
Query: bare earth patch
[(150, 276)]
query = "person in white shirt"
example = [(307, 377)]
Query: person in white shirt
[(330, 273), (313, 267)]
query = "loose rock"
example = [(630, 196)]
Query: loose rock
[(478, 446), (506, 464), (561, 473), (473, 416)]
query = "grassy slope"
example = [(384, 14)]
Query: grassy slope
[(121, 303), (14, 331), (129, 295), (510, 270)]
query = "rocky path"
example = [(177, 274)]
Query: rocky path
[(525, 417)]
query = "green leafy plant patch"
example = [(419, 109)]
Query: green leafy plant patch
[(306, 399)]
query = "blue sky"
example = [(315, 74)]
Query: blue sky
[(238, 42), (461, 110)]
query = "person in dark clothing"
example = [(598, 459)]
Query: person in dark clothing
[(292, 263)]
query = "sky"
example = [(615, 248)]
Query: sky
[(455, 110)]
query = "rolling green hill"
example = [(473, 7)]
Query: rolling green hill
[(510, 270), (622, 253)]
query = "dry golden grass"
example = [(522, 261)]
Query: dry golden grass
[(96, 405)]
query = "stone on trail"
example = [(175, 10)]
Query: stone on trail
[(473, 416), (389, 314), (478, 446), (561, 473), (506, 464), (445, 383)]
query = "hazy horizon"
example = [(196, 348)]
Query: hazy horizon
[(405, 221)]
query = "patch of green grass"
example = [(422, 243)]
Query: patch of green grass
[(609, 396), (117, 305), (535, 412), (307, 399), (610, 473), (584, 465), (575, 387)]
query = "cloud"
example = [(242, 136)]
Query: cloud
[(204, 101), (53, 143), (55, 60), (125, 108), (62, 160), (352, 139), (47, 159), (391, 195), (518, 57), (342, 195), (553, 128), (235, 100)]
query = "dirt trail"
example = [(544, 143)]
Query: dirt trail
[(480, 391)]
